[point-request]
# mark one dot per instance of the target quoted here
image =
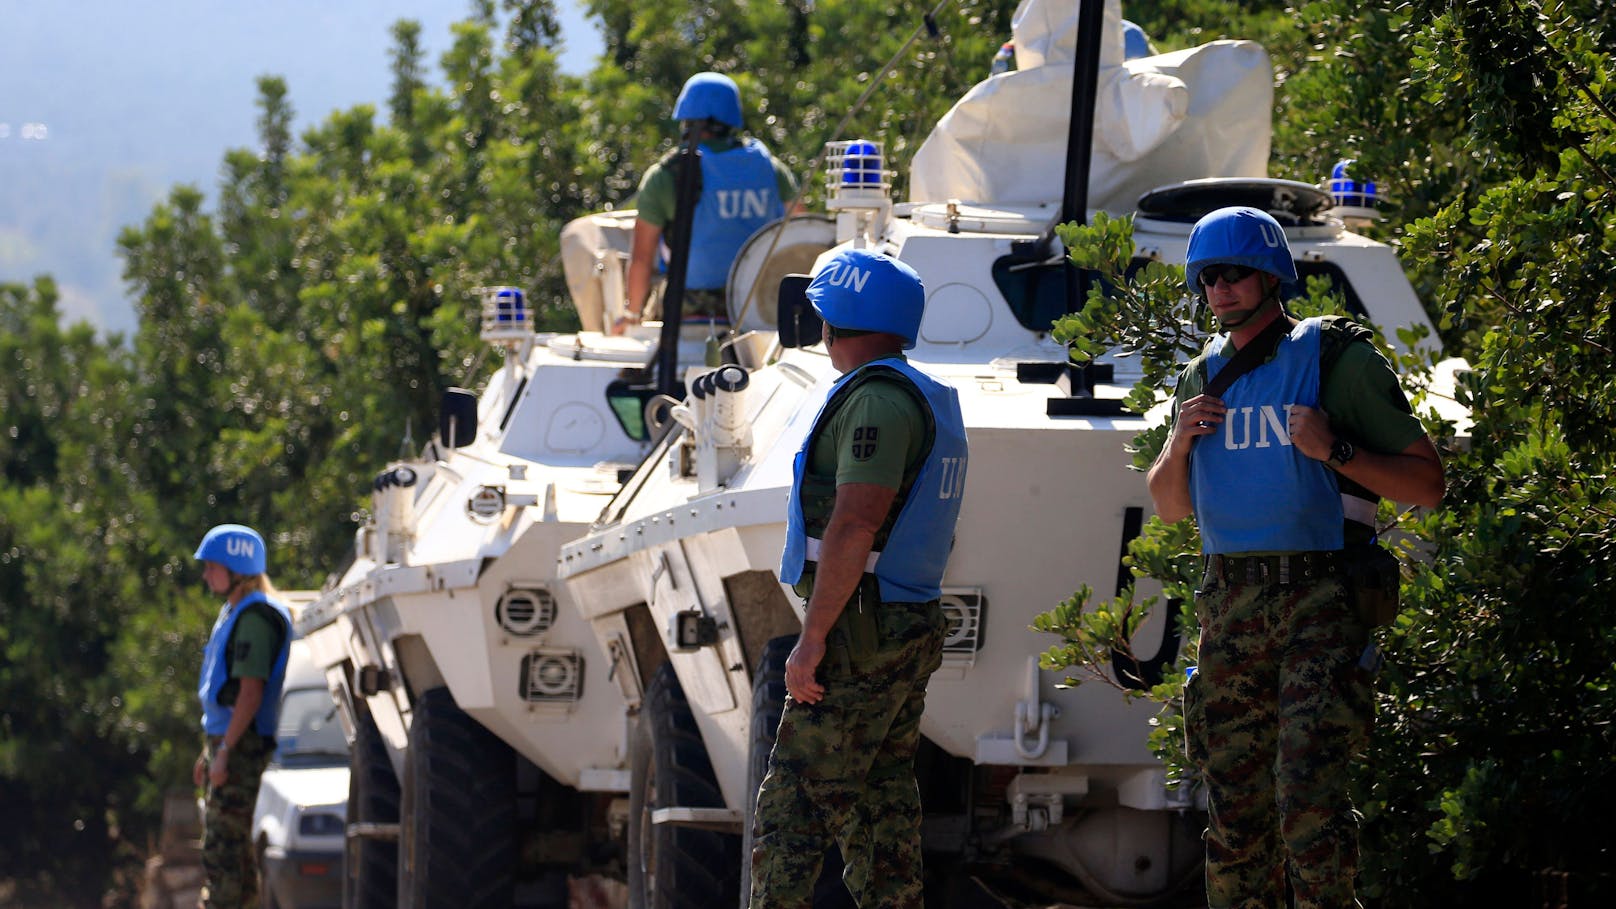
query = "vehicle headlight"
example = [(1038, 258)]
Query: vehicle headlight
[(320, 823)]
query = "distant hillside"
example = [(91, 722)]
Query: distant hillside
[(135, 98)]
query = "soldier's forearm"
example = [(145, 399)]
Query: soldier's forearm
[(248, 699), (840, 568)]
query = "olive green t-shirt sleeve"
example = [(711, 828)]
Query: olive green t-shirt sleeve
[(655, 202), (252, 646), (873, 438), (1365, 402)]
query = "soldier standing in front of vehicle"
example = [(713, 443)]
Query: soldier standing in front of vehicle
[(1282, 471), (870, 523), (742, 188), (243, 671)]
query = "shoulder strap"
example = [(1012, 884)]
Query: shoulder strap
[(1337, 333), (673, 162), (1249, 357)]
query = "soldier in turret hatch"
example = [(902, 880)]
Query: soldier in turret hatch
[(741, 188)]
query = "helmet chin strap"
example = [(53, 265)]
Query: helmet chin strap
[(1270, 299)]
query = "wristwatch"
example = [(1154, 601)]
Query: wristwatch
[(1341, 452)]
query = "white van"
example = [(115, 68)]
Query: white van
[(299, 820)]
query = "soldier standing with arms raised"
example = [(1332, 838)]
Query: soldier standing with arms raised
[(871, 520), (243, 670), (1282, 471)]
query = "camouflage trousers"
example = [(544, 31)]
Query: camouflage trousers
[(843, 771), (1276, 711), (231, 872)]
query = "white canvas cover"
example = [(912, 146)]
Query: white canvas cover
[(1202, 112)]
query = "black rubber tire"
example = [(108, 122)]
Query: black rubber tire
[(370, 864), (457, 830), (266, 894), (768, 703), (671, 866)]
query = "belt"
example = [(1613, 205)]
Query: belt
[(815, 545), (1293, 567)]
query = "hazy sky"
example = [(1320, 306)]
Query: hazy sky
[(105, 105)]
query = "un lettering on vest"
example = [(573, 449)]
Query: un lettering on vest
[(237, 546), (952, 483), (1237, 427), (743, 203)]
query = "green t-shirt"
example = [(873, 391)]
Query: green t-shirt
[(872, 438), (253, 646), (659, 190), (1360, 393), (877, 431)]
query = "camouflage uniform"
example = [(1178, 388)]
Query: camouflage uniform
[(227, 853), (1275, 712), (1279, 705), (843, 769)]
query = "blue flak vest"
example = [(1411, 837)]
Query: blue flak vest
[(1252, 490), (216, 669), (914, 552), (739, 194)]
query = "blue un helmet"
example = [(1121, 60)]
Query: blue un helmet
[(709, 96), (1239, 236), (862, 290), (236, 547)]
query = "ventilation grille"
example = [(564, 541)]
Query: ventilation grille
[(965, 611), (552, 677), (526, 612)]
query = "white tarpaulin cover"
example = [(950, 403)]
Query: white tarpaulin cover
[(1202, 112)]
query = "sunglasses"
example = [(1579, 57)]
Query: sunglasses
[(1231, 274)]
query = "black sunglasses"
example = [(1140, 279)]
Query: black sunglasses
[(1231, 274)]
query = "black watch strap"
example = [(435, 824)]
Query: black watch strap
[(1342, 452)]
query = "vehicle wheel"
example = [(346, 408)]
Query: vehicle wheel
[(768, 703), (457, 830), (671, 866), (370, 863), (266, 895)]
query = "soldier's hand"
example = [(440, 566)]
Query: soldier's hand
[(220, 771), (1310, 431), (1200, 416), (800, 668)]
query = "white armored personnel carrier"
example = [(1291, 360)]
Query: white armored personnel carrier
[(679, 576), (488, 726)]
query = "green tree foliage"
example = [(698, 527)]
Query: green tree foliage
[(1491, 125), (298, 329), (77, 543)]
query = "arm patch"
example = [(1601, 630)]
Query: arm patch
[(864, 442)]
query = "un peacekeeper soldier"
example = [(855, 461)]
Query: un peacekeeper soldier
[(871, 520), (1282, 472), (243, 671), (742, 188)]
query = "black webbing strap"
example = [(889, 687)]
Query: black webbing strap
[(1249, 357)]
